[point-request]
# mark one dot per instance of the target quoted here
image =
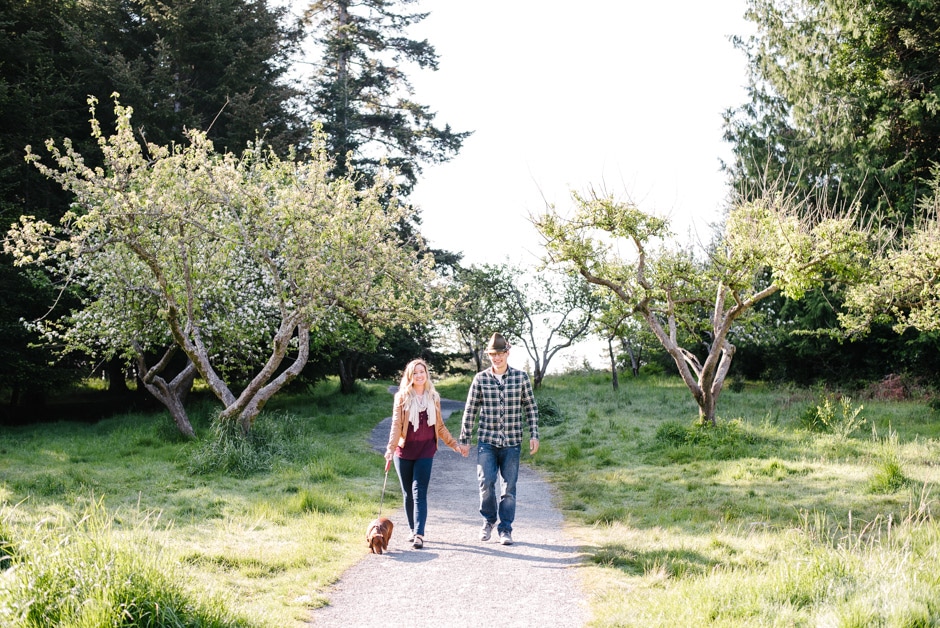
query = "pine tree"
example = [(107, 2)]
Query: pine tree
[(362, 95)]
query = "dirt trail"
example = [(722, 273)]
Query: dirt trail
[(456, 580)]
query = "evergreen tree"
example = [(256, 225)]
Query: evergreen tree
[(362, 95), (843, 103), (216, 65), (843, 97)]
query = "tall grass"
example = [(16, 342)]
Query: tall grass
[(762, 521), (766, 520), (243, 532), (80, 570)]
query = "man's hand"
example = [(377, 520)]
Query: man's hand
[(533, 446)]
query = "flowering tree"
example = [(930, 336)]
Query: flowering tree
[(903, 286), (229, 258), (769, 244)]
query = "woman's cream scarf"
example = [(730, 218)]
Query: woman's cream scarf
[(415, 408)]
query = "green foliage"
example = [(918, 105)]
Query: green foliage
[(888, 476), (840, 100), (769, 243), (683, 443), (363, 101), (272, 250), (81, 571), (834, 415), (903, 289), (217, 66), (485, 302), (231, 451), (549, 411), (7, 540)]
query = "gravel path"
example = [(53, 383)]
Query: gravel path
[(530, 583)]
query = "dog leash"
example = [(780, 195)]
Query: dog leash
[(388, 463)]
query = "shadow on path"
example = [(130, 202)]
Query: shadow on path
[(457, 580)]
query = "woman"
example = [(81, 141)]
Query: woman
[(412, 442)]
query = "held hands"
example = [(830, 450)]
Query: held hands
[(533, 447)]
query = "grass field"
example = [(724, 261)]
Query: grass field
[(799, 509)]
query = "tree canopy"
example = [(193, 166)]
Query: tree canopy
[(218, 66), (361, 93), (769, 244), (222, 255), (843, 97)]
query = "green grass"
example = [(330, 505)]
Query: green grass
[(254, 543), (768, 520), (760, 522)]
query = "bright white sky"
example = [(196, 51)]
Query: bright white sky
[(626, 96), (621, 95)]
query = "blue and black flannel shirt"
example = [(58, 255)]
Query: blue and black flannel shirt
[(502, 408)]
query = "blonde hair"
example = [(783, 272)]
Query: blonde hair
[(408, 378)]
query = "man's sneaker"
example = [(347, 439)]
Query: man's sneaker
[(505, 538), (486, 531)]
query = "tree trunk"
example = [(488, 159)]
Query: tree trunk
[(634, 357), (348, 370), (613, 364), (706, 409), (117, 384), (171, 394)]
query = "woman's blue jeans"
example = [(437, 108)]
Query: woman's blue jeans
[(502, 462), (414, 476)]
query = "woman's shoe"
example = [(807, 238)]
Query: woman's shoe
[(418, 542)]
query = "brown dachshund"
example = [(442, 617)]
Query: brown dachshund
[(379, 534)]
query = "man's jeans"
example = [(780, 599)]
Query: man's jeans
[(495, 461)]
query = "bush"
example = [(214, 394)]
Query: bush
[(889, 475), (231, 452), (672, 433), (549, 412), (275, 436), (840, 419)]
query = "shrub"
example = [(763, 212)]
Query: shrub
[(230, 451), (275, 436), (549, 412), (891, 388), (672, 433), (840, 419), (889, 474)]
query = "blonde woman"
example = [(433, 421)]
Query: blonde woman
[(412, 442)]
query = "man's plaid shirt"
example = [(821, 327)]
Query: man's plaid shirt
[(502, 407)]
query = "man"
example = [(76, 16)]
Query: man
[(503, 399)]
